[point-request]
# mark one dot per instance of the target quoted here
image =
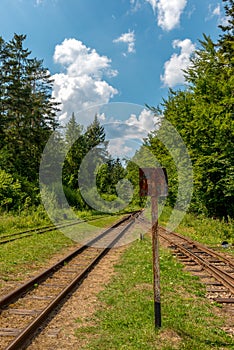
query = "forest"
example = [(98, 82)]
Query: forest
[(202, 112)]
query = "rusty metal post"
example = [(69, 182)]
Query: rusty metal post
[(156, 269), (153, 182)]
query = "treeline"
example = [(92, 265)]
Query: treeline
[(27, 120), (107, 171), (203, 113)]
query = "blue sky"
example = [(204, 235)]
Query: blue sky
[(102, 51)]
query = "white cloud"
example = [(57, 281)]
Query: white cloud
[(119, 148), (135, 5), (145, 122), (168, 12), (81, 60), (127, 136), (153, 3), (191, 11), (82, 84), (213, 11), (101, 116), (129, 39), (173, 73), (134, 127), (224, 21), (217, 11)]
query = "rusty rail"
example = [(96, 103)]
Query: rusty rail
[(38, 230), (27, 333), (24, 288), (201, 246), (222, 276)]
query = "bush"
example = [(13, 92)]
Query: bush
[(10, 191), (74, 198)]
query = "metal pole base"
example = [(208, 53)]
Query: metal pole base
[(157, 313)]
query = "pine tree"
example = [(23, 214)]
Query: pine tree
[(28, 113), (73, 131), (109, 175), (95, 135), (75, 146), (203, 115), (79, 144), (226, 42)]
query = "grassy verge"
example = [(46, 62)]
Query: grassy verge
[(126, 318), (10, 223), (24, 255), (19, 257), (205, 230)]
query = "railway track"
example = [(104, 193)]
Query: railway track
[(39, 230), (215, 269), (30, 232), (26, 309)]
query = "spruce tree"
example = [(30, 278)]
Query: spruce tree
[(28, 113), (203, 115), (226, 42), (95, 134), (75, 147)]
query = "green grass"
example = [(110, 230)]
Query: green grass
[(28, 254), (126, 321), (10, 223), (19, 257), (104, 221), (204, 230)]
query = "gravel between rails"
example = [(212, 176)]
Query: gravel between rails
[(60, 332), (227, 310)]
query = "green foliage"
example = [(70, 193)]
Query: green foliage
[(108, 176), (200, 228), (27, 111), (209, 231), (23, 219), (51, 199), (75, 147), (165, 158), (27, 115), (132, 170), (16, 193), (73, 131), (74, 198), (108, 172), (31, 251), (203, 115), (78, 143), (125, 319), (226, 41), (10, 191), (95, 135)]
